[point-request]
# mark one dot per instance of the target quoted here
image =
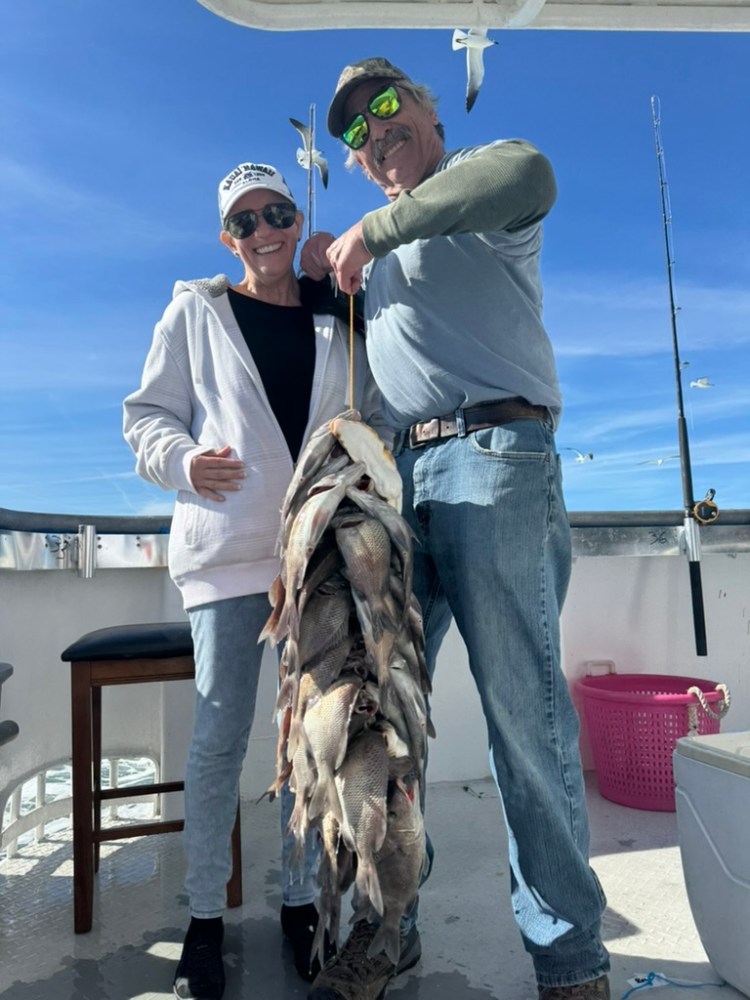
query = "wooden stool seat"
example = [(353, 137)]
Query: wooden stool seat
[(122, 654)]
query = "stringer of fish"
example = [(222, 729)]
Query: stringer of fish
[(353, 682)]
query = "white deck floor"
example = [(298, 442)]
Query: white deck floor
[(471, 949)]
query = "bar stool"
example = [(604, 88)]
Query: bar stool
[(8, 729), (122, 654)]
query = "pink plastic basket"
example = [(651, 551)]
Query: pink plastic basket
[(634, 722)]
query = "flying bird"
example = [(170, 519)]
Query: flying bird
[(475, 41), (580, 455), (659, 461), (701, 383), (309, 157)]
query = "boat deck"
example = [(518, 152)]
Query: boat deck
[(471, 948)]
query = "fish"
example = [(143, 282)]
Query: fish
[(324, 479), (413, 710), (362, 784), (314, 455), (314, 681), (399, 863), (400, 533), (326, 726), (363, 444), (365, 546), (306, 532), (352, 702), (335, 876)]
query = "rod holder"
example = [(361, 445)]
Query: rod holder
[(692, 540), (86, 551)]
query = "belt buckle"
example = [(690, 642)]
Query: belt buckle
[(420, 434)]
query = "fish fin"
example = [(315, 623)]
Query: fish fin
[(297, 734), (321, 796), (368, 883), (273, 789), (298, 825), (386, 939), (364, 911), (431, 728), (318, 944), (285, 697), (277, 597)]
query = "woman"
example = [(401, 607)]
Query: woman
[(237, 377)]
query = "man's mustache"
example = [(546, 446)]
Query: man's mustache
[(390, 139)]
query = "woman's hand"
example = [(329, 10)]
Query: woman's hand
[(313, 259), (213, 473)]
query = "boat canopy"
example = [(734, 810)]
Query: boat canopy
[(581, 15)]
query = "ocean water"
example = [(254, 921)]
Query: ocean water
[(58, 784)]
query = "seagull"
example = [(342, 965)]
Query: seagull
[(659, 461), (309, 157), (701, 383), (581, 456), (474, 40)]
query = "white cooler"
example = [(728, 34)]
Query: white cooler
[(712, 775)]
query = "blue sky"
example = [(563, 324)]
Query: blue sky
[(119, 120)]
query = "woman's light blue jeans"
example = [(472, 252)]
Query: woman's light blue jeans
[(493, 552), (227, 669)]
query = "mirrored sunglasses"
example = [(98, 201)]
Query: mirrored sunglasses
[(383, 105), (279, 214)]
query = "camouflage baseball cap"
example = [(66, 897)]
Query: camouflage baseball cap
[(376, 68)]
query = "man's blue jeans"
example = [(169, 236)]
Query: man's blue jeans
[(493, 552), (227, 669)]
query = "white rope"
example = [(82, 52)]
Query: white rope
[(722, 707)]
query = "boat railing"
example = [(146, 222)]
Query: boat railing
[(34, 541), (621, 607)]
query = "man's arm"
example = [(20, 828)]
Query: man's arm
[(506, 186)]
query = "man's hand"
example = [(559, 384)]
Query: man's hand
[(213, 473), (348, 255), (313, 259)]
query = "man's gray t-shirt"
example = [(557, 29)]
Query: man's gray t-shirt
[(455, 319)]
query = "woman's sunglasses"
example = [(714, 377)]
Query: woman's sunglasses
[(280, 215), (383, 105)]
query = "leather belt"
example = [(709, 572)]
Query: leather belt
[(475, 418)]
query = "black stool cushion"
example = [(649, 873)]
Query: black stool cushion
[(151, 641)]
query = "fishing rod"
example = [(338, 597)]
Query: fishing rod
[(704, 511), (310, 184), (309, 157)]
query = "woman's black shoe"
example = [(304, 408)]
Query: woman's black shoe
[(200, 972)]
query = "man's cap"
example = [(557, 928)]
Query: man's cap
[(376, 68), (248, 177)]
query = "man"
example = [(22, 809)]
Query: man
[(455, 339)]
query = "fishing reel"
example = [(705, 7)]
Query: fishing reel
[(706, 511)]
